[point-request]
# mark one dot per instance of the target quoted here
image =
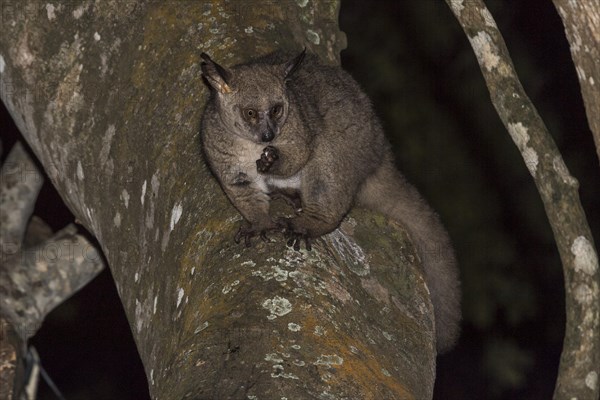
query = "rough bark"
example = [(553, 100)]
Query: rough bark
[(581, 20), (20, 183), (38, 270), (10, 346), (109, 96), (35, 281), (580, 359)]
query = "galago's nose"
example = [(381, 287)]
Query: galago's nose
[(267, 135)]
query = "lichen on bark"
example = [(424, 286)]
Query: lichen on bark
[(117, 132)]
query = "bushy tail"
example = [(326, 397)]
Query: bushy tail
[(388, 192)]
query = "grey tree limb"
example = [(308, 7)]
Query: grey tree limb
[(580, 359), (581, 20), (109, 96), (38, 271), (37, 279), (20, 183)]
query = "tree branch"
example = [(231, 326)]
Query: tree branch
[(20, 183), (37, 272), (581, 20), (117, 131), (35, 281), (580, 360)]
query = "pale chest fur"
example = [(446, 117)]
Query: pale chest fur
[(247, 153)]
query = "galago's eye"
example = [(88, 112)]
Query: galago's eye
[(249, 114), (276, 111)]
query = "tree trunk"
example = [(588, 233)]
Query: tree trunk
[(109, 96)]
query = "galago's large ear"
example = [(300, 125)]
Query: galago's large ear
[(217, 77), (293, 65)]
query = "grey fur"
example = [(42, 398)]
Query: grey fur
[(327, 147)]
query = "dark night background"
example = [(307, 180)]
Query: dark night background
[(415, 62)]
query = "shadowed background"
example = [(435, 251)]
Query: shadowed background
[(414, 61)]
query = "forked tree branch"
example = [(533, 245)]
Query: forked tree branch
[(38, 270), (580, 359)]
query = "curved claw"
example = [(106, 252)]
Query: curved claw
[(246, 232), (307, 243), (295, 241), (238, 236), (264, 237)]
